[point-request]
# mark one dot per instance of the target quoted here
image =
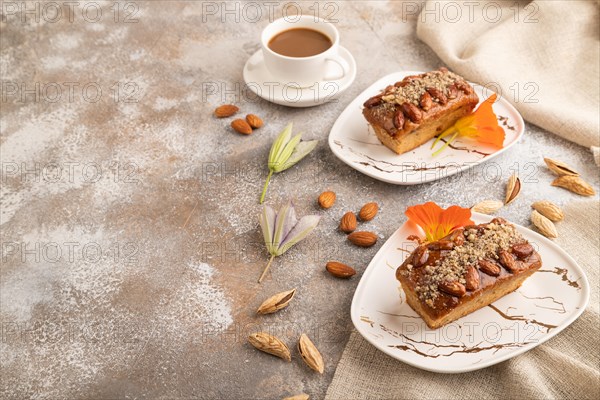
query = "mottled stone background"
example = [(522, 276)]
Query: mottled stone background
[(130, 242)]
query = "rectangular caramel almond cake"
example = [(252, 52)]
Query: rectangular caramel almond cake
[(411, 112), (465, 271)]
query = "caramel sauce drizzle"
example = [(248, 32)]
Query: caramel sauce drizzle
[(464, 148), (522, 318), (563, 272), (560, 310), (462, 348), (504, 121), (399, 315)]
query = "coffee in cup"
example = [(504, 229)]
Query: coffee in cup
[(300, 42), (303, 51)]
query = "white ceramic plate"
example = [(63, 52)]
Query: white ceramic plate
[(261, 83), (353, 141), (547, 302)]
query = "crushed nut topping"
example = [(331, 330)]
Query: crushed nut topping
[(485, 242), (414, 89)]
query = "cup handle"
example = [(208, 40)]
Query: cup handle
[(252, 65), (343, 65)]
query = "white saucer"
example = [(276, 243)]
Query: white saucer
[(260, 82)]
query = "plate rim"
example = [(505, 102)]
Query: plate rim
[(388, 78), (585, 287)]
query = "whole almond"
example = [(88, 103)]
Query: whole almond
[(254, 121), (326, 199), (464, 87), (559, 167), (363, 238), (276, 302), (513, 188), (373, 101), (452, 91), (348, 222), (226, 110), (437, 95), (399, 119), (489, 267), (310, 354), (472, 278), (241, 126), (412, 112), (420, 256), (522, 250), (455, 288), (575, 184), (487, 206), (426, 101), (508, 261), (441, 245), (548, 210), (339, 270), (270, 344), (368, 211), (543, 224), (301, 396)]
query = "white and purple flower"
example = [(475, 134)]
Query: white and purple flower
[(282, 229)]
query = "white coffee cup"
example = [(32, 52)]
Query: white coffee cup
[(304, 71)]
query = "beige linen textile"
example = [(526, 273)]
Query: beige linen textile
[(564, 367), (545, 58)]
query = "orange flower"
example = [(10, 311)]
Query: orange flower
[(437, 222), (481, 125)]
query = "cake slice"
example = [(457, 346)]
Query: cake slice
[(411, 112), (465, 271)]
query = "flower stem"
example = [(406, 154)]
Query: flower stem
[(264, 192), (266, 268), (447, 132), (448, 143)]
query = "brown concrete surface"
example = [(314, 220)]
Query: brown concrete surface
[(130, 239)]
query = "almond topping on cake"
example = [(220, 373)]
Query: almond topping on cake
[(410, 112), (469, 268), (488, 242)]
